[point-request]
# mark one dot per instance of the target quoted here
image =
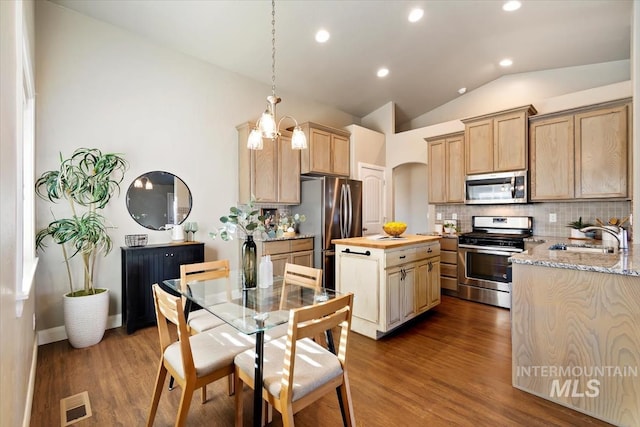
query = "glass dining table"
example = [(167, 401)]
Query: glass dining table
[(251, 311)]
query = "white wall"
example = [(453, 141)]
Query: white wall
[(17, 337), (100, 86), (367, 146), (410, 196)]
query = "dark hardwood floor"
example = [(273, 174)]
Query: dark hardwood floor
[(451, 366)]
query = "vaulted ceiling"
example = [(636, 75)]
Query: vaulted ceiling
[(457, 43)]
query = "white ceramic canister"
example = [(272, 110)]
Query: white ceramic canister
[(177, 233)]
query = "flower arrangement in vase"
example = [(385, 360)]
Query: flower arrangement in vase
[(290, 224), (244, 221)]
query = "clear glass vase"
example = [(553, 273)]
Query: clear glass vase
[(249, 263)]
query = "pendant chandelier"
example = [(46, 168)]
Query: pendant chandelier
[(267, 126)]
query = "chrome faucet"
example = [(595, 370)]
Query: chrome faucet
[(621, 235)]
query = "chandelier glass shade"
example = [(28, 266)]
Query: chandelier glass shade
[(143, 183), (267, 126)]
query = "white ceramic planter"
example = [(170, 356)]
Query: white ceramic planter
[(577, 234), (85, 318)]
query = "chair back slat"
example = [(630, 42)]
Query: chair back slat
[(203, 271), (300, 275), (208, 270), (312, 328)]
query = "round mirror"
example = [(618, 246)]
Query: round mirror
[(158, 200)]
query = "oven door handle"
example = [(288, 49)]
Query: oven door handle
[(490, 251)]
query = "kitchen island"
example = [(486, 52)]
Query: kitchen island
[(392, 279), (576, 330)]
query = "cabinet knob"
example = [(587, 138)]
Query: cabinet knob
[(429, 251)]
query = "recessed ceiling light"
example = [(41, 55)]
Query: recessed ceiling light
[(462, 90), (511, 5), (415, 15), (322, 36), (383, 72), (506, 63)]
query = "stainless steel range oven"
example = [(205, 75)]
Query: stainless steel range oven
[(484, 270)]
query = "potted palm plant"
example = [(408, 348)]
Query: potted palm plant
[(87, 181)]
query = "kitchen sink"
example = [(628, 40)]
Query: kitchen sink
[(586, 248)]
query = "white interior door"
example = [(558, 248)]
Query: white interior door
[(373, 182)]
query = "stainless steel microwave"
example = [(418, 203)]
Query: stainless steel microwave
[(496, 188)]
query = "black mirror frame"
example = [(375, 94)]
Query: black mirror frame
[(137, 216)]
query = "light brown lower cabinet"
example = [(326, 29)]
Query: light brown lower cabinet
[(449, 265), (293, 251)]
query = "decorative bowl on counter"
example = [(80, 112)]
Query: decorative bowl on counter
[(394, 229)]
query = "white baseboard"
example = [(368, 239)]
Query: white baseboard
[(58, 333), (26, 418)]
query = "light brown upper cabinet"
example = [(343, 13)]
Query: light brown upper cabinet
[(497, 142), (582, 153), (552, 151), (328, 152), (271, 175), (446, 168)]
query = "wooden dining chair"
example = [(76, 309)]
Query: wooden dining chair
[(194, 360), (297, 371), (201, 320)]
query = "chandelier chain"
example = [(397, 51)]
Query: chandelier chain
[(273, 47)]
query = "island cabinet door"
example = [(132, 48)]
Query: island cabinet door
[(408, 293), (394, 301), (422, 298), (400, 293), (360, 274)]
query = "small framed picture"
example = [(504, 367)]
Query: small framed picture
[(270, 217)]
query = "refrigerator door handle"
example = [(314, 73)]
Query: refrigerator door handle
[(350, 211), (343, 202)]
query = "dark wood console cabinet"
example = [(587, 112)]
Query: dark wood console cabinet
[(144, 266)]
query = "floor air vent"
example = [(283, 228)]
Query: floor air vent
[(74, 408)]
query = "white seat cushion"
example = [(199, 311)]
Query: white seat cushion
[(276, 332), (202, 320), (212, 349), (314, 366)]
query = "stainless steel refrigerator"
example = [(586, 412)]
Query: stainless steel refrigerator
[(333, 208)]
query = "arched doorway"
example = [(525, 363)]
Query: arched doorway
[(410, 198)]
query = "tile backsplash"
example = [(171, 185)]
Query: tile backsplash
[(565, 212)]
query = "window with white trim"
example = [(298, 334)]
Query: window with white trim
[(25, 246)]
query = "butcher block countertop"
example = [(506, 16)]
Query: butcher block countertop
[(386, 242)]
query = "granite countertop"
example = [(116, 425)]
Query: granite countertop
[(387, 243), (624, 263), (297, 236)]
